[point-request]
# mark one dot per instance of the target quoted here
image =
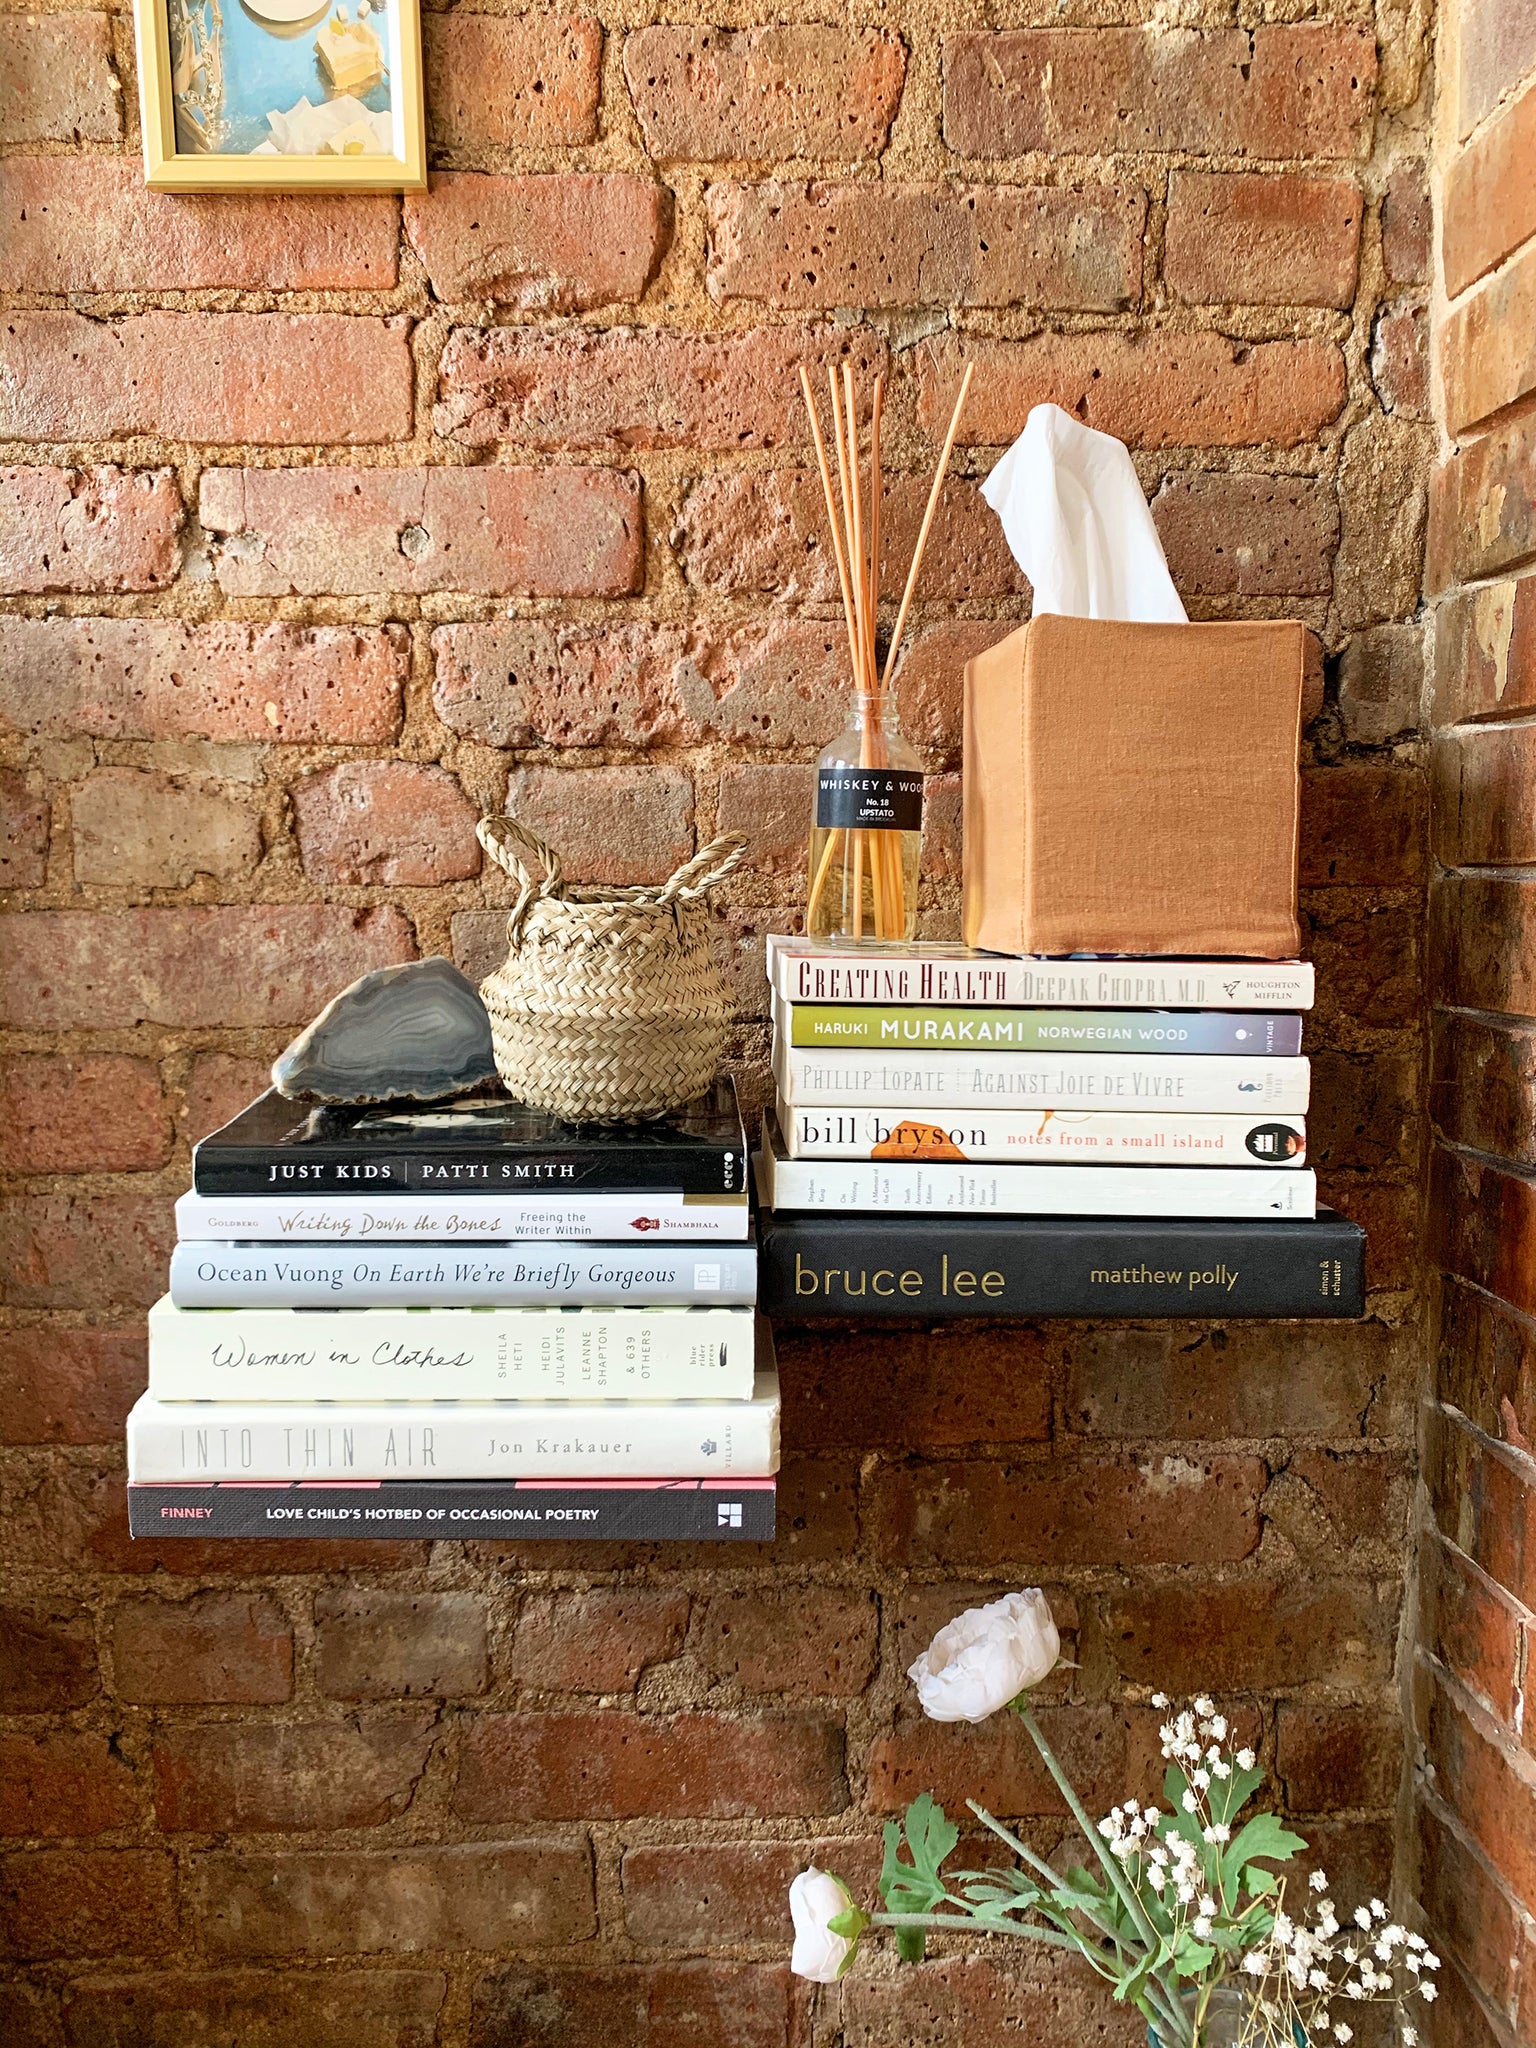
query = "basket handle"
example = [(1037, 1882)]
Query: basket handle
[(709, 865), (501, 837)]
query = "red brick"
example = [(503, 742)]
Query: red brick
[(1154, 390), (922, 245), (548, 244), (1248, 536), (1484, 1784), (1252, 1633), (1482, 508), (1482, 782), (98, 1113), (929, 679), (47, 1659), (1067, 1510), (1400, 359), (218, 1086), (1330, 1502), (1483, 1496), (1108, 1755), (24, 824), (771, 805), (1483, 932), (1485, 1227), (617, 825), (1472, 1627), (100, 529), (1328, 1757), (498, 532), (803, 90), (929, 1390), (1362, 822), (86, 1902), (1391, 1217), (638, 2005), (237, 1775), (1366, 956), (617, 1766), (1495, 50), (400, 823), (220, 1648), (85, 1251), (28, 2017), (765, 531), (528, 83), (985, 2003), (815, 1643), (382, 1645), (57, 80), (700, 1895), (1405, 224), (1487, 359), (1460, 2017), (68, 1386), (600, 1640), (1271, 92), (1365, 1112), (1487, 1364), (274, 378), (88, 224), (265, 965), (1262, 239), (1469, 1915), (1381, 683), (257, 2009), (485, 1895), (134, 828), (1485, 652), (68, 1782), (637, 388), (151, 679), (1488, 207)]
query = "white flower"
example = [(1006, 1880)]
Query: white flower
[(1342, 2031), (1245, 1759), (816, 1897), (1219, 1833), (1150, 1815), (1202, 1925), (1159, 1700), (1208, 1904), (1186, 1897), (1254, 1962), (1205, 1706), (1221, 1768), (1318, 1979), (1362, 1916), (1378, 1910), (1410, 2037), (1412, 1963), (1431, 1961), (986, 1657), (1427, 1991), (1202, 1781), (1318, 1881), (1189, 1802)]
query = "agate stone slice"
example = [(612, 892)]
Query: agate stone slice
[(419, 1030)]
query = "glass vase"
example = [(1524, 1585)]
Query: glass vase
[(866, 830), (1222, 2026)]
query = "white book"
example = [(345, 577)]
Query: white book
[(916, 1082), (247, 1275), (456, 1439), (1064, 1137), (964, 1188), (450, 1354), (641, 1216), (821, 971)]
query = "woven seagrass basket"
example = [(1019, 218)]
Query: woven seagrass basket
[(610, 1005)]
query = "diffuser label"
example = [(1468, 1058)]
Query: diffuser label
[(879, 799)]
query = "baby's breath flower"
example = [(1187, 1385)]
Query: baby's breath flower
[(1207, 1904), (1342, 2031), (1410, 2037), (1318, 1979), (1427, 1991), (1431, 1961), (1221, 1768), (1187, 1893), (1202, 1925), (1219, 1833), (1378, 1910), (1205, 1706), (1202, 1781), (1245, 1759), (1159, 1700), (1362, 1916), (1254, 1962), (1189, 1802), (1318, 1881)]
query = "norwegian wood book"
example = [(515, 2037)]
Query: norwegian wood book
[(627, 1511), (268, 1440), (450, 1354), (1243, 1034), (644, 1215), (949, 1187), (1065, 1136), (919, 1080), (810, 971), (481, 1144), (212, 1275)]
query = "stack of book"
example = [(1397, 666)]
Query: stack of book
[(460, 1319), (967, 1133)]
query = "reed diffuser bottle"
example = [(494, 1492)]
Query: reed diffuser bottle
[(867, 833)]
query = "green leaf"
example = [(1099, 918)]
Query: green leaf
[(1265, 1835), (1192, 1958), (850, 1923), (910, 1943), (931, 1834), (928, 1836)]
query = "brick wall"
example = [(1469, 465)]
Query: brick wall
[(328, 523), (1477, 1813)]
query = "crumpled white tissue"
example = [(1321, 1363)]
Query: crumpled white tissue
[(1078, 524)]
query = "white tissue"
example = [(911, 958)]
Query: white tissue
[(1078, 524)]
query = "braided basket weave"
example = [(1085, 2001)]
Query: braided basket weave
[(610, 1005)]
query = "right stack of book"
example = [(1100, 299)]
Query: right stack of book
[(963, 1133)]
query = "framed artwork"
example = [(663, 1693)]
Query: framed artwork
[(281, 95)]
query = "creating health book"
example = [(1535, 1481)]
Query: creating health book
[(1065, 1136), (454, 1354)]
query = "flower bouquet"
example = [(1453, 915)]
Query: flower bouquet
[(1183, 1918)]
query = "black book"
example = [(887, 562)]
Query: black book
[(647, 1511), (814, 1264), (475, 1144)]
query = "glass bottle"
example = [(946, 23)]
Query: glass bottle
[(866, 829)]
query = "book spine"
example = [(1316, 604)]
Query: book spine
[(906, 1266), (895, 1027), (210, 1275), (691, 1511), (450, 1354), (1065, 1136), (245, 1440), (457, 1219), (957, 1190), (343, 1170), (920, 1081), (1070, 984)]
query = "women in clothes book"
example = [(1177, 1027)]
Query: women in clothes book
[(1065, 1136), (1242, 1033), (920, 1080)]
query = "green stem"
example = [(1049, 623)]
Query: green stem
[(952, 1923), (1091, 1834), (1020, 1849)]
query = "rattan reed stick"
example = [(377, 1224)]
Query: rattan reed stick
[(922, 536)]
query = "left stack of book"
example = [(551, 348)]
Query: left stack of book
[(460, 1319)]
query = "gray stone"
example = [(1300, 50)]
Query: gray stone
[(418, 1030)]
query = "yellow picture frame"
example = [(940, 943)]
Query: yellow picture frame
[(170, 169)]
